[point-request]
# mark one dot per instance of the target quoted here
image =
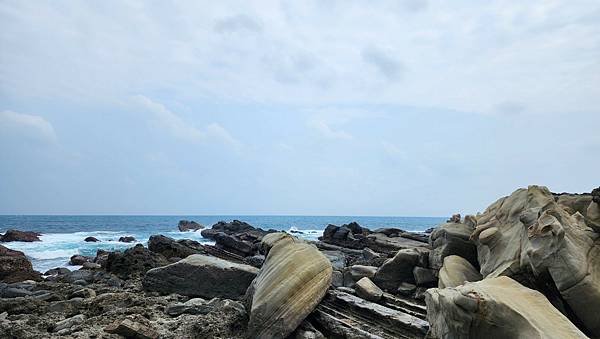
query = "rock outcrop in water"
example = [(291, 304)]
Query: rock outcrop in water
[(15, 267), (187, 225), (16, 235)]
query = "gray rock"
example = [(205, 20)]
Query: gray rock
[(360, 271), (367, 290), (202, 276), (397, 270), (13, 292), (369, 254), (337, 279), (131, 329), (452, 239), (424, 276), (169, 247), (83, 293), (69, 322), (406, 289)]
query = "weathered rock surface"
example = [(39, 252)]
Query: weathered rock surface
[(79, 259), (397, 270), (15, 267), (16, 235), (131, 329), (292, 281), (452, 239), (456, 271), (495, 308), (170, 247), (366, 289), (134, 261), (201, 276), (187, 225), (237, 237), (127, 239)]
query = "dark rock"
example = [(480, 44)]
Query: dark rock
[(455, 218), (83, 293), (134, 261), (255, 260), (201, 276), (91, 239), (452, 239), (13, 292), (131, 329), (235, 244), (397, 270), (16, 235), (425, 276), (90, 266), (186, 225), (101, 257), (235, 226), (79, 260), (350, 235), (14, 266), (429, 230), (169, 247), (127, 239), (596, 195), (406, 289), (69, 322), (369, 254), (58, 271)]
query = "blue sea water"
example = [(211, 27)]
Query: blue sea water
[(62, 236)]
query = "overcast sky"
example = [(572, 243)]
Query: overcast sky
[(414, 108)]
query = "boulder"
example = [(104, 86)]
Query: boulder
[(292, 281), (15, 267), (366, 289), (360, 271), (235, 243), (424, 276), (69, 322), (91, 239), (79, 260), (186, 226), (495, 308), (134, 261), (350, 235), (397, 270), (127, 239), (169, 247), (16, 235), (456, 271), (132, 329), (452, 239), (232, 227), (201, 276), (455, 219)]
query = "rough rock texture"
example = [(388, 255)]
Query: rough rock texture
[(15, 267), (397, 270), (16, 235), (452, 239), (201, 276), (79, 259), (170, 248), (366, 289), (237, 237), (186, 225), (495, 308), (127, 239), (456, 271), (134, 261), (290, 284), (132, 329)]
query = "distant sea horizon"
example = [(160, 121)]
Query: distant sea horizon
[(62, 235)]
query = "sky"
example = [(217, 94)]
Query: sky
[(407, 107)]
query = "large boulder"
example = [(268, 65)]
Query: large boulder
[(16, 235), (133, 262), (292, 281), (232, 227), (456, 271), (237, 237), (170, 247), (201, 276), (15, 267), (350, 235), (398, 269), (452, 239), (366, 289), (495, 308), (187, 225)]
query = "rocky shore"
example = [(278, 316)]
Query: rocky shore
[(527, 267)]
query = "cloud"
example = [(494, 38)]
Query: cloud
[(237, 23), (184, 130), (326, 131), (387, 65), (32, 126)]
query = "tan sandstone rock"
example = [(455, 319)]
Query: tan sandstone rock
[(495, 308), (291, 283), (456, 271)]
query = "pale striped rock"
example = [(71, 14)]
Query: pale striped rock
[(291, 283)]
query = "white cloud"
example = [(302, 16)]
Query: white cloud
[(326, 131), (33, 126), (184, 130)]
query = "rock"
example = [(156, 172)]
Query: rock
[(16, 235), (186, 226), (292, 281), (495, 308), (360, 271), (338, 259), (255, 260), (397, 270), (406, 289), (58, 271), (130, 329), (201, 276), (381, 243), (79, 260), (235, 226), (83, 293), (197, 306), (337, 279), (15, 267), (455, 219), (127, 239), (90, 266), (424, 276), (69, 322), (369, 254), (350, 235), (91, 239), (367, 290), (169, 247), (306, 331), (452, 239), (13, 292), (101, 257), (133, 262), (235, 244), (456, 271)]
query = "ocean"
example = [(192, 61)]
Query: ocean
[(62, 235)]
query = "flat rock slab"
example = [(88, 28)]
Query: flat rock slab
[(201, 276)]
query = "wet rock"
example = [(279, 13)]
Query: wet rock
[(16, 235), (169, 247), (127, 239), (397, 270), (69, 322), (91, 239), (366, 289), (292, 281), (201, 276), (14, 266), (131, 329), (495, 308), (456, 271), (134, 261), (79, 259), (186, 226)]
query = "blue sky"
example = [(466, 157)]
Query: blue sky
[(313, 107)]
